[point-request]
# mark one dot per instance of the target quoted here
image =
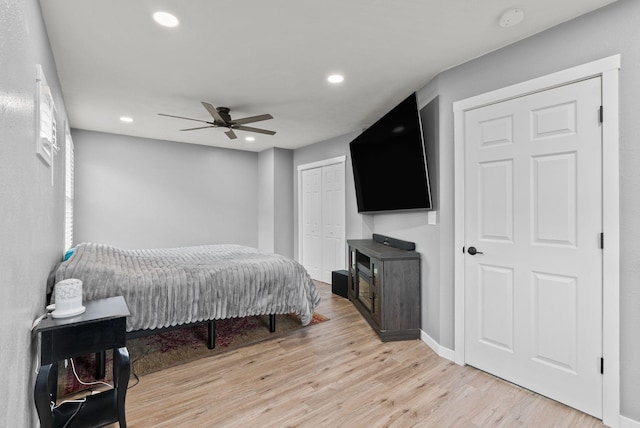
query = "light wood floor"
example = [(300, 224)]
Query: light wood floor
[(337, 374)]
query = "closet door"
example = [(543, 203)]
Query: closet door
[(321, 217), (333, 213), (311, 222)]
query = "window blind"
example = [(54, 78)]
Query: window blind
[(68, 192)]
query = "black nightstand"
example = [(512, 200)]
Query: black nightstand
[(102, 326)]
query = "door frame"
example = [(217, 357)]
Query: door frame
[(326, 162), (608, 69)]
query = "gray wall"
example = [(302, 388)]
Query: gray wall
[(283, 202), (266, 206), (431, 296), (276, 201), (142, 193), (31, 209)]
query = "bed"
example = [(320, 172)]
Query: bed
[(171, 287)]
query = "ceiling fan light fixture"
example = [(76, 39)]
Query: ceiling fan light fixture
[(222, 120), (166, 19)]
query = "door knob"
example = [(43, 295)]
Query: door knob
[(473, 251)]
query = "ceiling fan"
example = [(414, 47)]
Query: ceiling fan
[(222, 119)]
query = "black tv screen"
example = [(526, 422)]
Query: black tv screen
[(390, 164)]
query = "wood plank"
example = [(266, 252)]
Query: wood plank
[(337, 373)]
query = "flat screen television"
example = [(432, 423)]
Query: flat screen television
[(390, 163)]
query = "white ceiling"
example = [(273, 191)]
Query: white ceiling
[(257, 56)]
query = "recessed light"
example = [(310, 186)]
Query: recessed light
[(250, 139), (335, 78), (166, 19), (126, 119)]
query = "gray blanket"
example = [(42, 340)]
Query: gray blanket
[(173, 286)]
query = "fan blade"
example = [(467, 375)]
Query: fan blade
[(199, 127), (232, 135), (252, 119), (213, 112), (252, 129), (180, 117)]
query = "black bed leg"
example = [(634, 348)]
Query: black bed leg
[(101, 364), (211, 337), (272, 323)]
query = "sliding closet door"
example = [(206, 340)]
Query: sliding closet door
[(322, 218)]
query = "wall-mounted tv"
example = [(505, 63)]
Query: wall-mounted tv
[(390, 163)]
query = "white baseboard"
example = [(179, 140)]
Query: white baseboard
[(447, 353), (628, 423)]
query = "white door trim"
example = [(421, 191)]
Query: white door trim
[(608, 70), (318, 164), (325, 162)]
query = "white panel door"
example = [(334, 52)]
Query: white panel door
[(533, 212), (333, 214), (312, 221)]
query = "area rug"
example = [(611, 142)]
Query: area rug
[(164, 350)]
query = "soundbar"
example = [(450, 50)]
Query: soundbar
[(393, 242)]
